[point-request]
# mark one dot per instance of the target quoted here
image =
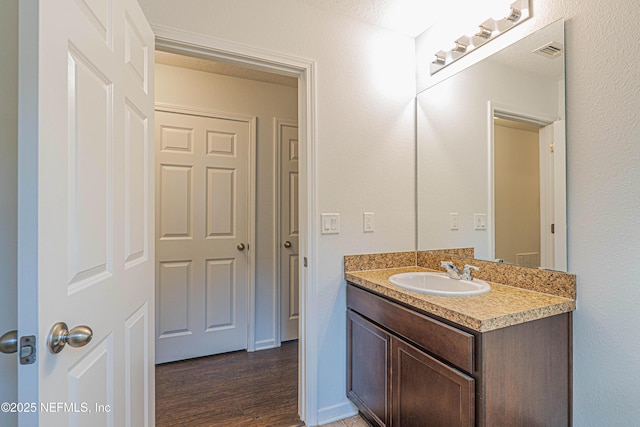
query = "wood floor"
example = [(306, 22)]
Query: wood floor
[(256, 389)]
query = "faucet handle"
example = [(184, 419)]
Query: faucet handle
[(451, 269), (466, 273), (447, 264)]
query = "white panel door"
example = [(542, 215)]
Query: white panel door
[(202, 206), (289, 230), (8, 201), (85, 210)]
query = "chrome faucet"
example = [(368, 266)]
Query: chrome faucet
[(466, 273), (454, 273), (451, 269)]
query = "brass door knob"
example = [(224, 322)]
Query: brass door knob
[(287, 244)]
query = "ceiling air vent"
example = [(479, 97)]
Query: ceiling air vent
[(550, 50)]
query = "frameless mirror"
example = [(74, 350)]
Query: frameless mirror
[(491, 156)]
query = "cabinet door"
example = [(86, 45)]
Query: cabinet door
[(428, 393), (368, 352)]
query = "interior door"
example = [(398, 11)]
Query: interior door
[(86, 225), (202, 206), (8, 203), (289, 231)]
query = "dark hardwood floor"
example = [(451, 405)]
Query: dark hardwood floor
[(256, 389)]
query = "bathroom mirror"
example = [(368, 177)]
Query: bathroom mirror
[(491, 156)]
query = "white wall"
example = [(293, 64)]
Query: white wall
[(603, 178), (365, 134), (8, 196), (201, 90)]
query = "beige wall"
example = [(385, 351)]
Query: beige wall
[(517, 192), (197, 89)]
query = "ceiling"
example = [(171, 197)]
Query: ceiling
[(411, 17), (408, 17), (208, 66)]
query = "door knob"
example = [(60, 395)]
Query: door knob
[(9, 342), (240, 247), (60, 335), (287, 244)]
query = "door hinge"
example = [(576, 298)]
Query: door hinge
[(304, 261), (27, 350), (551, 148), (553, 228)]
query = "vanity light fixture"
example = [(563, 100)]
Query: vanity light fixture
[(488, 30), (460, 47), (484, 32)]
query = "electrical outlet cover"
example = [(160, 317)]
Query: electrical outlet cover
[(368, 222)]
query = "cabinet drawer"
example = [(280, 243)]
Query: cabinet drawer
[(442, 340)]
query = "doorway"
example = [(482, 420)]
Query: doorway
[(209, 111), (526, 195), (517, 192)]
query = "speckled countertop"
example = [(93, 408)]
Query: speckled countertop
[(501, 307)]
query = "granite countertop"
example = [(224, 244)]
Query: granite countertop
[(501, 307)]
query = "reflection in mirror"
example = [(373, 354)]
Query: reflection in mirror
[(491, 156)]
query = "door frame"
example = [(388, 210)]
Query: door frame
[(206, 47)]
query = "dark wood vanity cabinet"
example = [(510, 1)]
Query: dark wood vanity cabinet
[(369, 365), (407, 369)]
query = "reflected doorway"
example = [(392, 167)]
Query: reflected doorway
[(523, 162)]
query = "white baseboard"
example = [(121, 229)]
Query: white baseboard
[(265, 344), (336, 412)]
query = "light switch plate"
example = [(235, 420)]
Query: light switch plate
[(330, 223), (480, 221), (368, 222), (454, 221)]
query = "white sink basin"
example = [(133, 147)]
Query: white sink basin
[(438, 284)]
